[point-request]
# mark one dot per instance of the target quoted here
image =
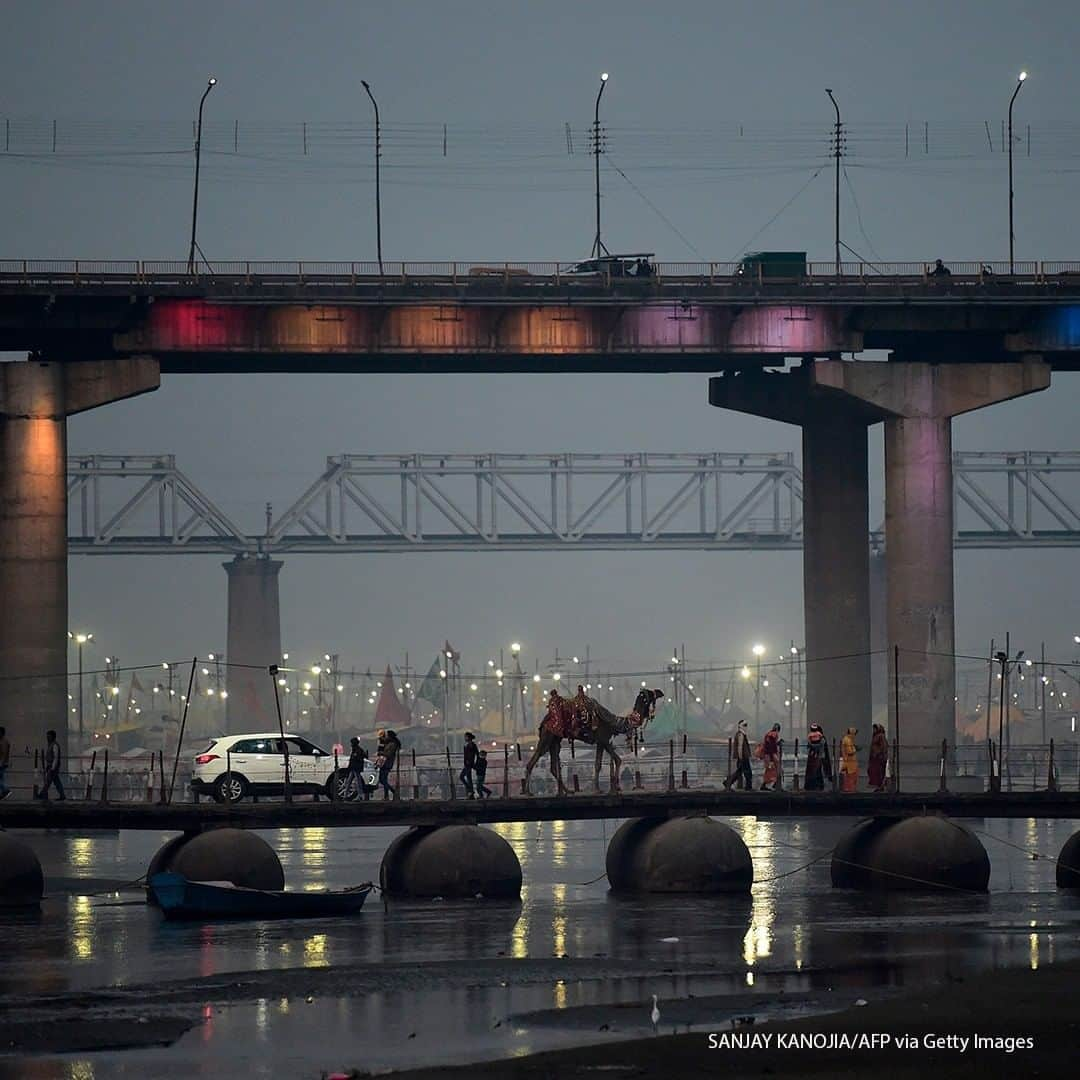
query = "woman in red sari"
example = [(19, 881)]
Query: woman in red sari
[(770, 747)]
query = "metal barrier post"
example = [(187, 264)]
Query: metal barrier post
[(104, 779), (163, 797), (506, 770), (415, 775), (1051, 772), (89, 794), (671, 765), (795, 773), (450, 774), (993, 778), (942, 788)]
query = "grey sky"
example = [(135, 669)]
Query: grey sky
[(505, 78)]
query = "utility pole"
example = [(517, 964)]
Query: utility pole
[(598, 245), (837, 153)]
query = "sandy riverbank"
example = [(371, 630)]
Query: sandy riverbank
[(1021, 1004)]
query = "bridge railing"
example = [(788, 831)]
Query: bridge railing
[(523, 275), (660, 765)]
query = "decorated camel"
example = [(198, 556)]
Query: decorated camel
[(584, 719)]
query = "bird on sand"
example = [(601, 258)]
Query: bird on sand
[(655, 1014)]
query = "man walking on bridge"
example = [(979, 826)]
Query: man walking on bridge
[(471, 756), (53, 761)]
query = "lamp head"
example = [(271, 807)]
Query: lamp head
[(604, 77), (211, 81), (1022, 76)]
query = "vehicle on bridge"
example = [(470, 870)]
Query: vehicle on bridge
[(636, 264), (234, 766), (776, 265)]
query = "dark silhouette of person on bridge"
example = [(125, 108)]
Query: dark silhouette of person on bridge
[(53, 763), (940, 270), (481, 772), (470, 758), (741, 774), (386, 755), (818, 762), (355, 775)]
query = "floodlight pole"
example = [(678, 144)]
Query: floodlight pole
[(1019, 82)]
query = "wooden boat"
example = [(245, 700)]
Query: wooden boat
[(180, 898)]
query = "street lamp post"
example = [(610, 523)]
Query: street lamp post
[(836, 154), (378, 154), (80, 640), (210, 84), (598, 245), (1019, 82), (759, 652)]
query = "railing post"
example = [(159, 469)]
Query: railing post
[(415, 776), (506, 770), (671, 765), (795, 774), (942, 788), (993, 779), (89, 793), (162, 798), (104, 779)]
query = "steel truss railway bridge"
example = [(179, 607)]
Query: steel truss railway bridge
[(145, 504)]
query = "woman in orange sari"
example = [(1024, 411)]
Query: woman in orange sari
[(849, 764)]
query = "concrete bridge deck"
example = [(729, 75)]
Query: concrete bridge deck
[(303, 813)]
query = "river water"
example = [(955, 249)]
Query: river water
[(431, 981)]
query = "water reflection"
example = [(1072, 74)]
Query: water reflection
[(468, 968)]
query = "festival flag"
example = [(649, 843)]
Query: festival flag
[(433, 688)]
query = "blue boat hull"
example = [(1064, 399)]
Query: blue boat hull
[(180, 898)]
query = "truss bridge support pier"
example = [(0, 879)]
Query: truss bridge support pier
[(36, 398), (254, 643), (834, 402)]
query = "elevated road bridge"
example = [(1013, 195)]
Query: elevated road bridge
[(340, 316)]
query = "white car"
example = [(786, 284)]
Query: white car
[(233, 766)]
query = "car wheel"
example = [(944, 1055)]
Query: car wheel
[(345, 786), (230, 788)]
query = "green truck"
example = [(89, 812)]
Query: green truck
[(762, 265)]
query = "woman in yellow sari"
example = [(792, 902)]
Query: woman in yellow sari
[(849, 765)]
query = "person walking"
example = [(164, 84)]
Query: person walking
[(386, 755), (469, 759), (879, 756), (5, 761), (355, 773), (770, 752), (53, 762), (818, 762), (741, 774), (849, 762), (481, 773)]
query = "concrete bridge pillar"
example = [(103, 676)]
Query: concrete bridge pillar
[(918, 401), (36, 398), (254, 643), (836, 554)]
